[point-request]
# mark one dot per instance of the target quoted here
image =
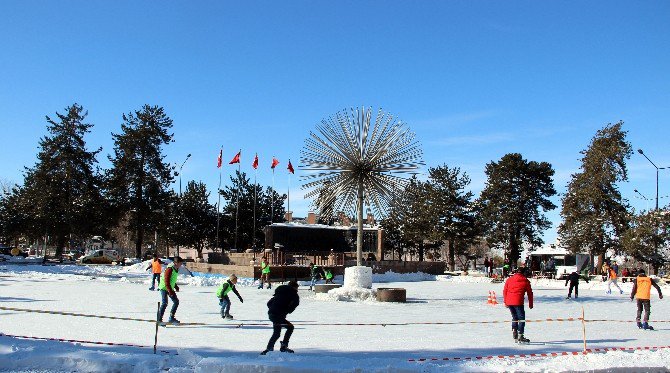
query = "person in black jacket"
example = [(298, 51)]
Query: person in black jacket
[(573, 278), (284, 301)]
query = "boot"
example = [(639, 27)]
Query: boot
[(266, 351), (228, 316), (523, 339), (515, 334), (284, 348), (270, 286), (639, 325), (172, 320), (646, 326)]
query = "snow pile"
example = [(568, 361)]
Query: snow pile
[(358, 277), (357, 286)]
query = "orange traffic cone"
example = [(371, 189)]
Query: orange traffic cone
[(490, 299), (495, 300)]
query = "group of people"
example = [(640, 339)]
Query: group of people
[(488, 266), (284, 301), (518, 286)]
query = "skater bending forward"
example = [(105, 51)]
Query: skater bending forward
[(642, 291), (513, 294), (222, 294), (284, 301), (573, 279)]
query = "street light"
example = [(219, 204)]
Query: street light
[(657, 168), (179, 172)]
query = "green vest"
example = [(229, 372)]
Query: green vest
[(265, 268), (220, 292), (173, 278), (329, 275)]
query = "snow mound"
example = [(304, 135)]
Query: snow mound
[(349, 294), (358, 277)]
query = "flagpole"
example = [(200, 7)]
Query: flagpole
[(288, 194), (253, 234), (272, 199), (218, 204), (237, 207)]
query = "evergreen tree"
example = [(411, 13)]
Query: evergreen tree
[(453, 208), (139, 178), (244, 215), (513, 201), (594, 213), (412, 217), (195, 218), (648, 238), (62, 191)]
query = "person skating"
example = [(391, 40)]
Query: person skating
[(222, 294), (573, 278), (513, 295), (642, 291), (314, 274), (328, 274), (168, 287), (265, 273), (284, 301), (156, 269), (612, 279)]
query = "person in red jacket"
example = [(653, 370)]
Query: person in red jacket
[(513, 295)]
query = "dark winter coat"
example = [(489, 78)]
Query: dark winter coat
[(573, 278), (515, 289), (284, 301)]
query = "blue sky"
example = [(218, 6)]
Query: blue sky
[(473, 79)]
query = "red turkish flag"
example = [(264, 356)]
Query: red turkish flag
[(255, 164), (290, 167), (236, 159), (220, 160), (275, 162)]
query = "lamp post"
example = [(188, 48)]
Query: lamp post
[(179, 173), (657, 168)]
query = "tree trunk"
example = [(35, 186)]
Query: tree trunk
[(452, 256)]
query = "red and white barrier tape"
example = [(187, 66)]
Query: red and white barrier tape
[(545, 354)]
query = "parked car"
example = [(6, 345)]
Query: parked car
[(101, 257)]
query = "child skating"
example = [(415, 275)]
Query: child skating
[(224, 300), (265, 273), (642, 291)]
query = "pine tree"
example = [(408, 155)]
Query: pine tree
[(594, 213), (244, 215), (195, 218), (138, 180), (648, 238), (453, 208), (62, 191), (516, 194)]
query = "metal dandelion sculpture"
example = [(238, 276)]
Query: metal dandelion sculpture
[(351, 160)]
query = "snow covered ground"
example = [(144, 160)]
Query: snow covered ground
[(321, 341)]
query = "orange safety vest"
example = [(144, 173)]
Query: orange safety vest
[(643, 288), (156, 266), (612, 274)]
